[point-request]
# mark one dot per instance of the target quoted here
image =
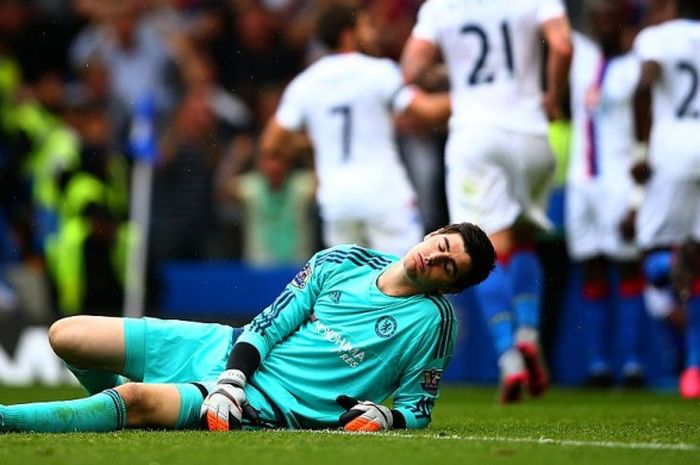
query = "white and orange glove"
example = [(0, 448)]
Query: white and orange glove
[(364, 415), (226, 405)]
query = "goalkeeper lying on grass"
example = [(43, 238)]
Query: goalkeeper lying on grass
[(352, 328)]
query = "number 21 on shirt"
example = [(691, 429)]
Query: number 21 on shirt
[(480, 74)]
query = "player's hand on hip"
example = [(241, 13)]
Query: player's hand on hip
[(364, 415), (641, 172), (628, 225), (223, 409)]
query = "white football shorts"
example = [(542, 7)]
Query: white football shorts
[(593, 214), (495, 176), (670, 212), (395, 232)]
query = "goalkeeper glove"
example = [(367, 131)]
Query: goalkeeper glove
[(224, 408), (364, 415)]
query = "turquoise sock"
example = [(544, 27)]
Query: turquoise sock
[(95, 381), (102, 412)]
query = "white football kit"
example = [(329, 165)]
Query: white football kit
[(670, 212), (599, 183), (498, 160), (345, 103)]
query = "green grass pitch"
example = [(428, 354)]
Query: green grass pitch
[(469, 427)]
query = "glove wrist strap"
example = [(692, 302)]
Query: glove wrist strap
[(234, 377)]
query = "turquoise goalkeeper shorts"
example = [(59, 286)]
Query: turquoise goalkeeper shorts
[(173, 351), (187, 354)]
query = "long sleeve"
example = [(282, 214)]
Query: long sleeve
[(291, 308), (419, 386)]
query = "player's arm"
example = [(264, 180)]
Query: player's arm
[(421, 50), (418, 391), (291, 308), (641, 170), (557, 35), (642, 100), (283, 134), (278, 140), (419, 385), (226, 405), (417, 59), (433, 107), (650, 72)]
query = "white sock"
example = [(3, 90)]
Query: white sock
[(527, 334), (511, 362)]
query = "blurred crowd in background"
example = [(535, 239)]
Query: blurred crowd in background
[(74, 74)]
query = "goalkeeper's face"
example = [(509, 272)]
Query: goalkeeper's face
[(437, 263)]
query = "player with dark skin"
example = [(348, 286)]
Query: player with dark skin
[(677, 256), (605, 18)]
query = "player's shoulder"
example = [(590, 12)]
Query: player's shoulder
[(679, 31), (650, 31), (660, 42), (300, 83), (441, 306), (655, 32), (318, 70), (433, 4), (377, 61), (371, 67), (444, 321), (677, 24), (354, 256)]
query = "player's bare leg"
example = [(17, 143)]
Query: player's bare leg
[(93, 348), (150, 405), (503, 241)]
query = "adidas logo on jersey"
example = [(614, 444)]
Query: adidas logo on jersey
[(335, 296)]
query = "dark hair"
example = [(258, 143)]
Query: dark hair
[(688, 9), (480, 250), (333, 21)]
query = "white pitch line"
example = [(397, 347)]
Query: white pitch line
[(538, 441)]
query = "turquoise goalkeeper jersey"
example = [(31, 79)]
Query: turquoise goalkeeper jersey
[(332, 332)]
